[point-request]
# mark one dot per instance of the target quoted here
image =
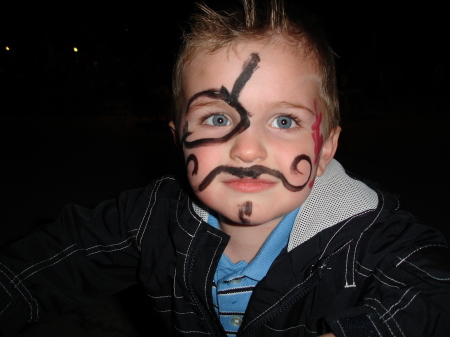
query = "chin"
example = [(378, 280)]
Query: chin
[(243, 220)]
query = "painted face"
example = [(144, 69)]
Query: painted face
[(251, 131)]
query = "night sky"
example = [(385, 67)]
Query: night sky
[(383, 49), (365, 30)]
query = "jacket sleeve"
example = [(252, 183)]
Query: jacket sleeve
[(407, 296), (82, 257)]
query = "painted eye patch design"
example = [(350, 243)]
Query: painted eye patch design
[(231, 99)]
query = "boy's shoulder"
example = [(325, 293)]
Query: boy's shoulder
[(343, 211), (154, 199), (159, 189), (168, 192)]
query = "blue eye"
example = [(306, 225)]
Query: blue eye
[(283, 122), (217, 120)]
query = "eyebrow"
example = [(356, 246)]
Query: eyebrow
[(210, 93), (293, 105), (217, 96)]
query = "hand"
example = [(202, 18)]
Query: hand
[(328, 335)]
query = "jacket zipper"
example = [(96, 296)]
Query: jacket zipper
[(306, 289), (194, 296)]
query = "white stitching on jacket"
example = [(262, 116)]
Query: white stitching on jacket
[(346, 222), (176, 216), (377, 277), (281, 298), (20, 280), (360, 273), (385, 323), (370, 319), (111, 250), (407, 304), (165, 296), (368, 269), (210, 265), (346, 271), (157, 184), (189, 246), (404, 259), (436, 278), (26, 300), (387, 284), (9, 296), (23, 271), (173, 285), (155, 189), (384, 308), (363, 232), (341, 328), (202, 332), (396, 303), (290, 328), (378, 269)]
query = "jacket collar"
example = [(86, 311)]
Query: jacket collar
[(334, 198)]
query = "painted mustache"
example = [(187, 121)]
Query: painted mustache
[(255, 171)]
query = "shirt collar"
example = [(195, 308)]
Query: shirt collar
[(271, 248)]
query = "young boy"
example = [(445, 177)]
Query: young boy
[(271, 237)]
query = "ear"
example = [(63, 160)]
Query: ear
[(329, 148), (174, 132)]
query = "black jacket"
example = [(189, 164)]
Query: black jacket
[(355, 265)]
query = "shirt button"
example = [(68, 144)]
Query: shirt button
[(236, 321), (236, 281)]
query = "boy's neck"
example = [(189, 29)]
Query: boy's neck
[(246, 240)]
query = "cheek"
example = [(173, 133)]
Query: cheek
[(286, 154), (201, 161), (296, 163)]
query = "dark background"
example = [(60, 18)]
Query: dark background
[(82, 127)]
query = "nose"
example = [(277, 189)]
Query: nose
[(248, 147)]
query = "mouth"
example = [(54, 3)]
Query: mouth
[(249, 185)]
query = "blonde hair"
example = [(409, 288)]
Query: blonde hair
[(211, 31)]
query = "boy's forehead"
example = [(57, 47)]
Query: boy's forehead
[(241, 50), (212, 70)]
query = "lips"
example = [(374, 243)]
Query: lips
[(249, 185)]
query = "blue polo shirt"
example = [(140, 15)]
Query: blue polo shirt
[(234, 282)]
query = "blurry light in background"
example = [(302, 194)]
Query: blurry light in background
[(7, 48), (75, 49)]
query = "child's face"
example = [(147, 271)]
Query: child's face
[(251, 131)]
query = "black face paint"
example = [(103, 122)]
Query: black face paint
[(245, 210), (193, 158), (297, 160), (255, 171), (231, 99)]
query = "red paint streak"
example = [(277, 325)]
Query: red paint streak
[(311, 183), (317, 136)]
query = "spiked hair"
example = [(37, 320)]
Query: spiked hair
[(210, 31)]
